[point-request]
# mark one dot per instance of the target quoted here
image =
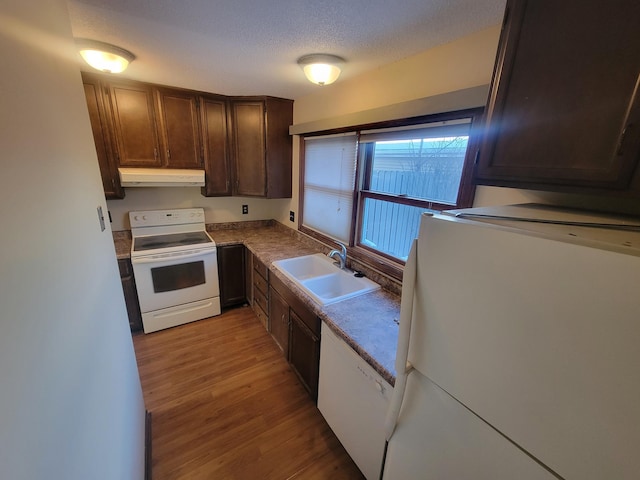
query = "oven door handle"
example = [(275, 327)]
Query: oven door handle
[(172, 256)]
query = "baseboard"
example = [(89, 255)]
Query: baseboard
[(147, 445)]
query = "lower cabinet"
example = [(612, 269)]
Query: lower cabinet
[(130, 294), (231, 272), (279, 320), (296, 330), (304, 353)]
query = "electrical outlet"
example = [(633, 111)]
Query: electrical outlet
[(245, 209), (292, 216)]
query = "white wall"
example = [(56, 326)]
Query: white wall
[(463, 63), (217, 209), (71, 405)]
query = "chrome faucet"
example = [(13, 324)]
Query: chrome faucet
[(342, 256)]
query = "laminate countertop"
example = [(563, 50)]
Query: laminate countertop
[(367, 323)]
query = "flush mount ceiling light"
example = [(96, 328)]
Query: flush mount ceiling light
[(104, 56), (321, 69)]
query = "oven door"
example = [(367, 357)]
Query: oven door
[(168, 280)]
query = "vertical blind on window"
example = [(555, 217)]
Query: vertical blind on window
[(329, 181)]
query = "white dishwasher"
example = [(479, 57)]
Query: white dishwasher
[(353, 399)]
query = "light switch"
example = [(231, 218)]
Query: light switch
[(101, 219)]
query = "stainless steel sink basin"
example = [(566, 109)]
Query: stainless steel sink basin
[(323, 281)]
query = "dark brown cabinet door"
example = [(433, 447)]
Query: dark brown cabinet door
[(215, 143), (179, 128), (134, 123), (279, 321), (279, 116), (261, 146), (249, 148), (294, 323), (99, 119), (564, 106), (304, 354), (130, 295), (231, 271)]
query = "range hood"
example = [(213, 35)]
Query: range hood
[(160, 177)]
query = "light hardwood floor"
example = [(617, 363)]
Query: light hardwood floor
[(226, 405)]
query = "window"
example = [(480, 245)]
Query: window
[(368, 187)]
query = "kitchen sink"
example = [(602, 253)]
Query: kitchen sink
[(308, 266), (323, 281)]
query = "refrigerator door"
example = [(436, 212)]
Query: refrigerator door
[(537, 337), (403, 368), (437, 438)]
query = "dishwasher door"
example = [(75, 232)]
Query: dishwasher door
[(353, 399)]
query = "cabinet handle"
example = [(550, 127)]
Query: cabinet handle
[(628, 126), (168, 154), (155, 153), (620, 150)]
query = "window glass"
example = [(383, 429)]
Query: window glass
[(390, 227), (424, 163), (429, 169), (177, 277)]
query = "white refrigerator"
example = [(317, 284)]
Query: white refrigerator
[(519, 349)]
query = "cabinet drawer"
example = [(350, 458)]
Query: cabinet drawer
[(260, 299), (260, 283), (262, 316), (261, 268)]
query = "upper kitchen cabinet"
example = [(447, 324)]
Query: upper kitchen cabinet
[(134, 120), (213, 115), (179, 128), (99, 118), (242, 143), (155, 126), (261, 146), (564, 108)]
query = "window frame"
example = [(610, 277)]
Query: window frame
[(381, 261)]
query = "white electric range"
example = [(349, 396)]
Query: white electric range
[(174, 266)]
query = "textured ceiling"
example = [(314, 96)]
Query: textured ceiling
[(246, 47)]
